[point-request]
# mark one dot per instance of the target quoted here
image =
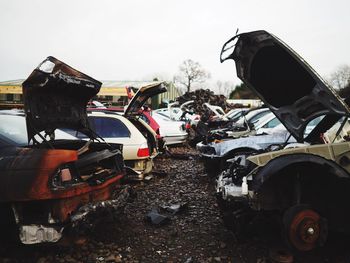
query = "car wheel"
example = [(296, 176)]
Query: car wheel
[(304, 228)]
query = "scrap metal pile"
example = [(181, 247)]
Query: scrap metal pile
[(201, 96)]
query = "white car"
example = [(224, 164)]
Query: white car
[(178, 113), (253, 115), (217, 110), (173, 132), (235, 114), (266, 123)]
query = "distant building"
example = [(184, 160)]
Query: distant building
[(112, 92)]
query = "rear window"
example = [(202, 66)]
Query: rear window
[(109, 127), (144, 118)]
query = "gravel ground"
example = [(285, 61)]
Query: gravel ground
[(195, 234)]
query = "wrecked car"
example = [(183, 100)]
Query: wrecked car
[(216, 153), (133, 130), (306, 187), (47, 183), (208, 131), (245, 127), (173, 132)]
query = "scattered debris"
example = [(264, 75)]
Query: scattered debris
[(148, 177), (159, 173), (174, 208), (198, 235), (281, 255), (156, 218)]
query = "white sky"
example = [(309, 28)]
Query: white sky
[(139, 40)]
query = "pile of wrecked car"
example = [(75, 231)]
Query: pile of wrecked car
[(63, 160)]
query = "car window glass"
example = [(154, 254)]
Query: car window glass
[(258, 116), (75, 133), (14, 128), (311, 125), (109, 127), (272, 123), (144, 118), (220, 111)]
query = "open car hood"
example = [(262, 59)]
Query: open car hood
[(142, 95), (55, 96), (293, 91)]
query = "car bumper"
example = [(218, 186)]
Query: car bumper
[(63, 212), (143, 166), (175, 139)]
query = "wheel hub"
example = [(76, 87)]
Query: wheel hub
[(304, 230), (309, 230)]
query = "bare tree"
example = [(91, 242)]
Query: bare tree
[(224, 87), (191, 72), (341, 77)]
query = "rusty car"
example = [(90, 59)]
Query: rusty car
[(49, 183)]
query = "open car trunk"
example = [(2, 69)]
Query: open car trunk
[(50, 183)]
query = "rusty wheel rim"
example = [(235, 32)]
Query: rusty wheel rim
[(305, 229)]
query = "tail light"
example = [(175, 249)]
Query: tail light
[(158, 134), (65, 175), (188, 126), (143, 151)]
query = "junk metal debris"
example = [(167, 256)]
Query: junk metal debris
[(200, 97), (163, 213), (174, 208), (156, 218)]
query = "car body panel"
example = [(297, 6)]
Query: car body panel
[(256, 142), (141, 96), (172, 131), (132, 143), (283, 80), (55, 96), (45, 183), (293, 182), (334, 152)]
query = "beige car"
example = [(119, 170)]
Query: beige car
[(138, 150), (138, 138)]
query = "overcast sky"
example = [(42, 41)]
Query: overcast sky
[(139, 40)]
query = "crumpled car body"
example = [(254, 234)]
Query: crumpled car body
[(306, 186), (172, 131), (47, 184), (246, 125), (216, 153)]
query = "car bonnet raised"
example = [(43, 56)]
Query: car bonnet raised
[(55, 96), (293, 91)]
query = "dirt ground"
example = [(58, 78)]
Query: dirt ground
[(194, 234)]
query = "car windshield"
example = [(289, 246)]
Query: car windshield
[(13, 128), (253, 116)]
